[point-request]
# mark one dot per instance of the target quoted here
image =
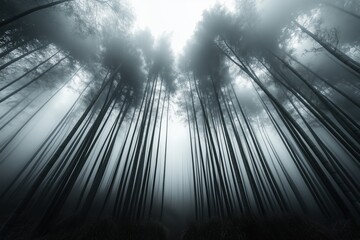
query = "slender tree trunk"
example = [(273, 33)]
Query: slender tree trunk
[(346, 121), (75, 166), (18, 113), (144, 188), (327, 82), (118, 206), (196, 202), (16, 46), (40, 178), (165, 156), (5, 22), (350, 207), (327, 3), (104, 162), (117, 167), (349, 142), (27, 72), (342, 57), (33, 80), (48, 141), (207, 191), (157, 157), (21, 56), (34, 114), (12, 108)]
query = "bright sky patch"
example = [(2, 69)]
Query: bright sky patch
[(176, 17)]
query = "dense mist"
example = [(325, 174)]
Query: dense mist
[(255, 116)]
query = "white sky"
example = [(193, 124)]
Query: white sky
[(177, 17)]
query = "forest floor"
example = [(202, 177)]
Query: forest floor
[(288, 228)]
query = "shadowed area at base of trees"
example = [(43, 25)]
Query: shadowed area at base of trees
[(286, 227)]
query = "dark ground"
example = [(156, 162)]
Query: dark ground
[(232, 229)]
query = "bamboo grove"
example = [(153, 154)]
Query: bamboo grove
[(269, 133), (245, 174)]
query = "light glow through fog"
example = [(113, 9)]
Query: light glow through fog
[(176, 17)]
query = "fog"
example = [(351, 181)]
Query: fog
[(178, 112)]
